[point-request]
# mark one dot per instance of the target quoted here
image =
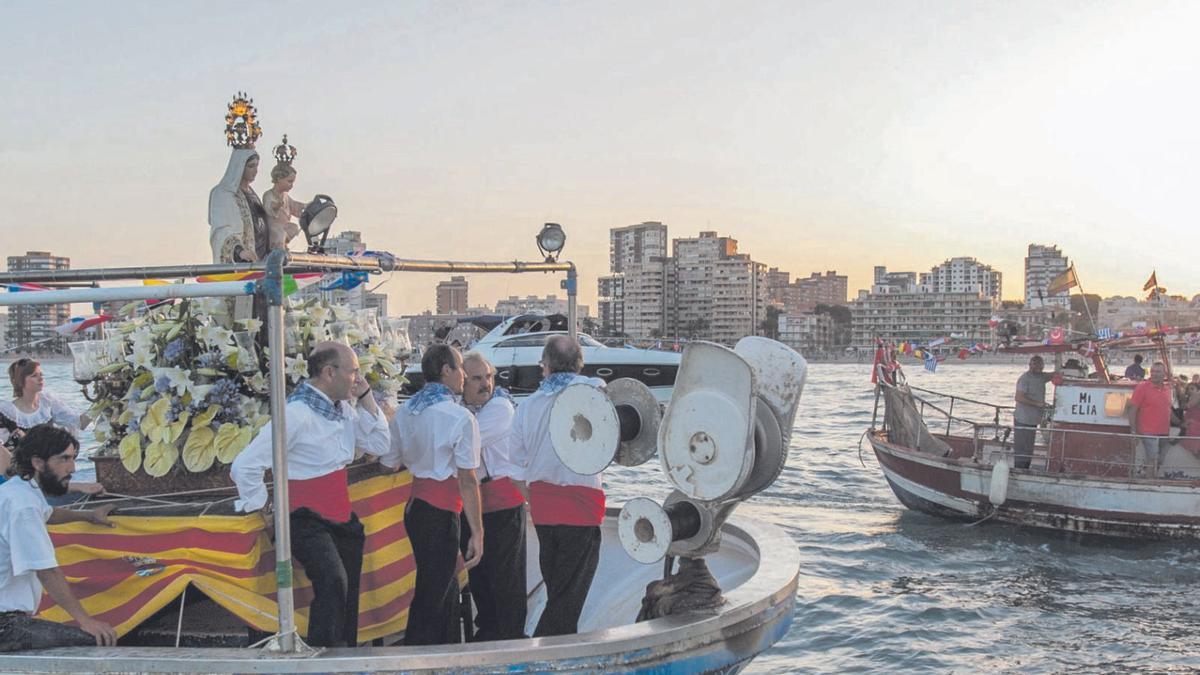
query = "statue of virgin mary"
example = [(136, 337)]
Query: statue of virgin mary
[(236, 218)]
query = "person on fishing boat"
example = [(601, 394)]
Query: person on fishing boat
[(498, 581), (31, 406), (1030, 410), (438, 440), (43, 463), (1135, 371), (567, 508), (1150, 419), (327, 417)]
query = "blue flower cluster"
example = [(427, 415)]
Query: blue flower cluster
[(174, 351), (162, 385), (211, 359), (226, 394)]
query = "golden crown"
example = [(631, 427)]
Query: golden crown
[(241, 123), (284, 153)]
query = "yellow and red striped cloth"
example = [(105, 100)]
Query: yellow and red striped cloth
[(125, 574)]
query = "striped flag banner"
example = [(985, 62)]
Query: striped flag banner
[(291, 282), (123, 575)]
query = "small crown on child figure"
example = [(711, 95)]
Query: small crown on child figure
[(284, 153)]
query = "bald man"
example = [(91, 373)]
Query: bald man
[(327, 417)]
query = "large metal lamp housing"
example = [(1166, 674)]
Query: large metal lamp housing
[(550, 241), (316, 220)]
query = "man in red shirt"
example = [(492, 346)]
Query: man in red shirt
[(1150, 418)]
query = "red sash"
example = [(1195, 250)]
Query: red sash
[(326, 495), (500, 494), (551, 504), (442, 494)]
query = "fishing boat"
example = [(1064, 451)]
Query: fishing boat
[(514, 346), (952, 456), (171, 539)]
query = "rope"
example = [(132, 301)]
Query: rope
[(690, 589)]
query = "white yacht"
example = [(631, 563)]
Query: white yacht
[(514, 346)]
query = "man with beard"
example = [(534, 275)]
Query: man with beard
[(43, 463), (498, 582)]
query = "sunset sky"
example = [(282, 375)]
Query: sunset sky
[(821, 135)]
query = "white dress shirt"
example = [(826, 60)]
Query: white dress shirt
[(25, 545), (434, 443), (315, 446), (531, 448), (495, 420)]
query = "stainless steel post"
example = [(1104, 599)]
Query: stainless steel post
[(273, 292), (572, 284)]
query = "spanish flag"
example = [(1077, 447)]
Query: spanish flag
[(1152, 282), (1063, 282)]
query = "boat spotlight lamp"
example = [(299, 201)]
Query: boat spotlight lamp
[(550, 241), (316, 219)]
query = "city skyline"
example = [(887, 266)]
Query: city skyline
[(817, 133)]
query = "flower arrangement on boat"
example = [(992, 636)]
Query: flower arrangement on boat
[(183, 387)]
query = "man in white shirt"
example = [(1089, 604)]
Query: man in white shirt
[(323, 430), (439, 442), (44, 462), (566, 507), (498, 581)]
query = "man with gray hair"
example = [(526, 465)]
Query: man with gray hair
[(498, 582), (567, 508)]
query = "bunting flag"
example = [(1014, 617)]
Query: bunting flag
[(21, 288), (123, 575), (347, 281), (1057, 335), (931, 362), (291, 282), (994, 321), (1063, 282), (937, 342), (78, 323)]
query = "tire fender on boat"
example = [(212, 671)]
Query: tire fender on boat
[(999, 488)]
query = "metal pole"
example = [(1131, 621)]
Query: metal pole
[(164, 292), (273, 292), (572, 284)]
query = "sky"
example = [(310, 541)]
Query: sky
[(821, 135)]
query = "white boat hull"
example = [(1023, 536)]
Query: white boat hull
[(757, 566)]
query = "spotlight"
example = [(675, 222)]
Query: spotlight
[(315, 221), (550, 241)]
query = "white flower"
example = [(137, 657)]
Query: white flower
[(252, 325), (209, 306), (142, 337), (319, 315), (296, 368), (258, 381), (177, 378), (214, 335), (342, 313), (142, 356)]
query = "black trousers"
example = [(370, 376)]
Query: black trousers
[(498, 581), (432, 616), (568, 558), (1024, 438), (20, 631), (331, 554)]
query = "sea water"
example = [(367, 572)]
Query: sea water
[(885, 589)]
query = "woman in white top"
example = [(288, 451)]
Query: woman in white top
[(31, 406)]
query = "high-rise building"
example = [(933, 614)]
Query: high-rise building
[(818, 289), (778, 287), (920, 317), (716, 293), (452, 296), (962, 275), (32, 326), (632, 299), (1044, 264)]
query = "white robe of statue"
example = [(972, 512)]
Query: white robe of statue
[(228, 213)]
